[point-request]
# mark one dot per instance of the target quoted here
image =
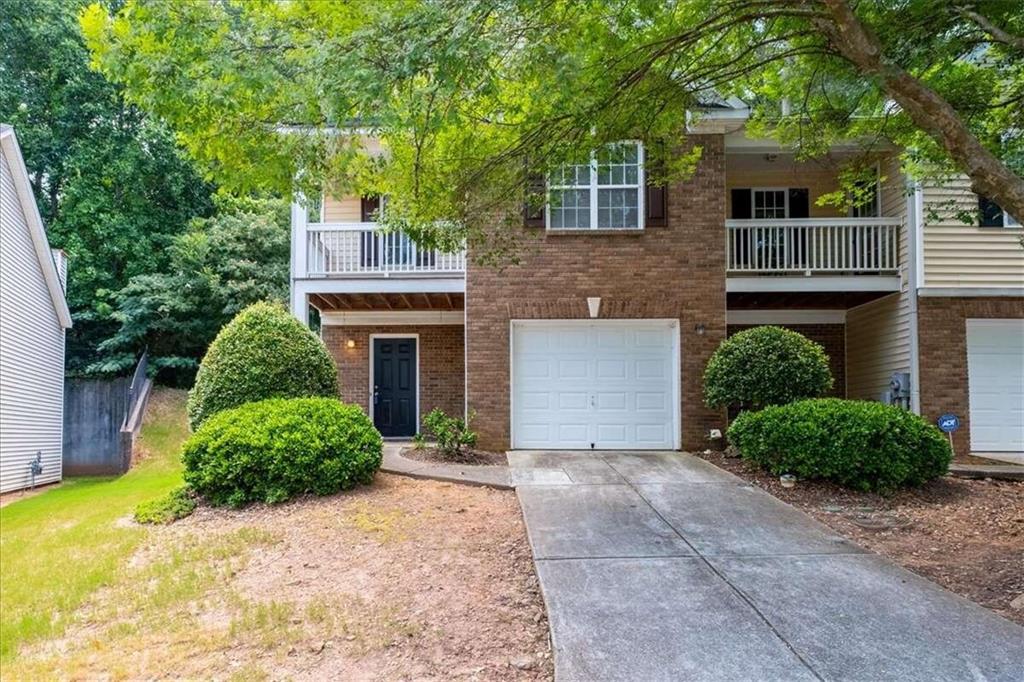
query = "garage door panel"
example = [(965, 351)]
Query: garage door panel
[(607, 385), (995, 374)]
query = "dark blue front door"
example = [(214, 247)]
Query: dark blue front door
[(394, 387)]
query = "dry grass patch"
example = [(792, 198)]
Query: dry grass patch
[(400, 580)]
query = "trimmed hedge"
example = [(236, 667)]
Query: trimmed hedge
[(858, 444), (275, 449), (175, 505), (263, 353), (766, 366)]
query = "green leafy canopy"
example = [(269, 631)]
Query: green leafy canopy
[(465, 96)]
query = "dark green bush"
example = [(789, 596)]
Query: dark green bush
[(855, 443), (766, 366), (263, 353), (451, 433), (274, 449), (175, 505)]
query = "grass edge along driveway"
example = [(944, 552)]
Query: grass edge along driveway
[(59, 547)]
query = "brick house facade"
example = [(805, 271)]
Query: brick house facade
[(743, 241), (674, 271)]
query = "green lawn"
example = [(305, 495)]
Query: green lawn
[(58, 547)]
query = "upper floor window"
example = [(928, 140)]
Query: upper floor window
[(605, 193), (770, 203), (992, 215)]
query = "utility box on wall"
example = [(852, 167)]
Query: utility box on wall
[(899, 389)]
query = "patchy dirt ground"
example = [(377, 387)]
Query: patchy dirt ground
[(966, 535), (401, 580), (468, 456)]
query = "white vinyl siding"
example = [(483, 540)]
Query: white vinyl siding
[(31, 352), (878, 333), (964, 255)]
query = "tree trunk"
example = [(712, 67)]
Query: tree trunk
[(989, 176)]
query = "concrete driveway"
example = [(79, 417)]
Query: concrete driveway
[(661, 566)]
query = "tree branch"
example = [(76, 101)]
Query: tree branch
[(997, 33), (929, 111)]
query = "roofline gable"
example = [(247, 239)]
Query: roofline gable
[(12, 152)]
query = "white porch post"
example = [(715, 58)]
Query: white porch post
[(299, 266)]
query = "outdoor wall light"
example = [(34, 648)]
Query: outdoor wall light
[(351, 343), (699, 329)]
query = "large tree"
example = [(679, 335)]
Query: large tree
[(469, 94), (218, 267), (112, 185)]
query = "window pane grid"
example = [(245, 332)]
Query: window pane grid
[(604, 194)]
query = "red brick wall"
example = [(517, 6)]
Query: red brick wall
[(663, 272), (831, 336), (942, 334), (442, 363)]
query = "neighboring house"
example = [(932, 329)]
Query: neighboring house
[(599, 338), (33, 318)]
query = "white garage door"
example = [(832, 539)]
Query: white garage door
[(601, 384), (995, 372)]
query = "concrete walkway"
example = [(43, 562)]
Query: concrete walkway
[(661, 566), (489, 476)]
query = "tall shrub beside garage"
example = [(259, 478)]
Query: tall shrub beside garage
[(766, 366), (262, 353)]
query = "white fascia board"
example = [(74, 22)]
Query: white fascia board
[(367, 318), (381, 285), (785, 316), (962, 292), (822, 283), (26, 198)]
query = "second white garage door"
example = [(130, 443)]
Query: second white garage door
[(595, 384), (995, 377)]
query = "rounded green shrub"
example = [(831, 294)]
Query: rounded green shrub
[(262, 353), (855, 443), (765, 366), (274, 449)]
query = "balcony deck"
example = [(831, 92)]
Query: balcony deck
[(824, 254), (361, 250)]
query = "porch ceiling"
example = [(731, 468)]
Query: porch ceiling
[(388, 301), (794, 300)]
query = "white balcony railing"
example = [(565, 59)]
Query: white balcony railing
[(813, 245), (357, 249)]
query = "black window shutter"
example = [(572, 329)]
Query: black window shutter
[(991, 214), (799, 202), (655, 195), (535, 201), (741, 209), (368, 208)]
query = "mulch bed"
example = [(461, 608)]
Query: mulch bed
[(469, 456), (966, 535)]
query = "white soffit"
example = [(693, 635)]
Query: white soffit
[(352, 318), (785, 317)]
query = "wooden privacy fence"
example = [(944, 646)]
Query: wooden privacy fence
[(102, 418)]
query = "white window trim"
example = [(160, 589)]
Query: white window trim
[(593, 188), (785, 200)]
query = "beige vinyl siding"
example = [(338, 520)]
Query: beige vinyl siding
[(31, 352), (343, 210), (958, 254), (818, 181), (878, 333)]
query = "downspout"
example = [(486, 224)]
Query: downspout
[(915, 223)]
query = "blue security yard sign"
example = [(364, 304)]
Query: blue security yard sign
[(949, 423)]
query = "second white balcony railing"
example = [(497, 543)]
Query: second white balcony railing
[(813, 245), (353, 249)]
